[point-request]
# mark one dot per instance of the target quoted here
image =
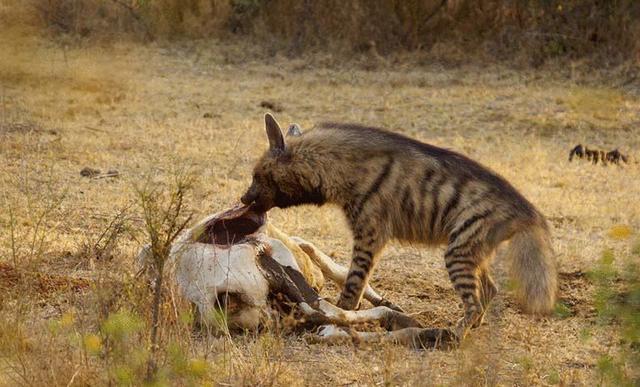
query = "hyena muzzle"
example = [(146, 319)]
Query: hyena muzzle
[(393, 187)]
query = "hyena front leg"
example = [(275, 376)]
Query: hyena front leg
[(366, 246)]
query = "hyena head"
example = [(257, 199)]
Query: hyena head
[(283, 177)]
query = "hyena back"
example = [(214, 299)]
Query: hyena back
[(393, 187)]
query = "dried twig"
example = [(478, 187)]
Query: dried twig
[(108, 174), (165, 217)]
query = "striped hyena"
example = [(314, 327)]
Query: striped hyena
[(393, 187)]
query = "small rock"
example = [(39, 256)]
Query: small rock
[(89, 172), (207, 115)]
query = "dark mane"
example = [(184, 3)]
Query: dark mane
[(392, 137), (446, 157)]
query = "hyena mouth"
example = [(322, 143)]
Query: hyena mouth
[(234, 226)]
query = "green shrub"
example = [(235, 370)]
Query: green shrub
[(617, 301)]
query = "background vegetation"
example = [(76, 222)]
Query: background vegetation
[(533, 31), (166, 98)]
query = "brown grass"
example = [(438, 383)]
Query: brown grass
[(141, 109)]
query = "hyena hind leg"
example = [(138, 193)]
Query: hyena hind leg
[(465, 273), (488, 290)]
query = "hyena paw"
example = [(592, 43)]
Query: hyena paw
[(470, 320), (461, 329), (479, 320), (347, 303), (440, 339)]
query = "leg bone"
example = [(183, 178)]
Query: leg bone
[(338, 273)]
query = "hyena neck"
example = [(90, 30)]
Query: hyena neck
[(334, 171), (314, 196), (346, 198), (323, 183), (336, 189)]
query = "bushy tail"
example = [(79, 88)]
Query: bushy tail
[(533, 269)]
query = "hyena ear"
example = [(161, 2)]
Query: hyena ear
[(294, 130), (276, 140)]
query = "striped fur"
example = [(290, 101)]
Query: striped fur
[(394, 187)]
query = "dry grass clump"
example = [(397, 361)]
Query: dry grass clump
[(106, 327), (43, 284)]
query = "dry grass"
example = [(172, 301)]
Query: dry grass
[(145, 109)]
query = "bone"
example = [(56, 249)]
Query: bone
[(388, 318), (291, 283), (338, 273), (415, 338)]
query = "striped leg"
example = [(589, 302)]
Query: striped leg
[(488, 290), (465, 275), (365, 249)]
